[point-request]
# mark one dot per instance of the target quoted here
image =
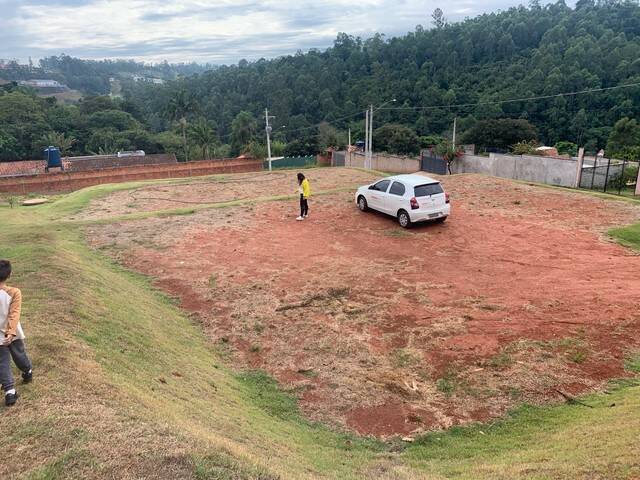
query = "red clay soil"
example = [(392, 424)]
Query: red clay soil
[(386, 331)]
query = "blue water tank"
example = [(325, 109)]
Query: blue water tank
[(52, 156)]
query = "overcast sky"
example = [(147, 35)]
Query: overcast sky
[(222, 31)]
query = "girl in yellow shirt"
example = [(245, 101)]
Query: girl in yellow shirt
[(305, 192)]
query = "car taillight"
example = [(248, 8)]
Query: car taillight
[(414, 203), (446, 198)]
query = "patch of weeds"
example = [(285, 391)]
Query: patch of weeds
[(213, 281), (401, 358), (308, 372), (176, 213), (577, 356), (72, 461), (514, 392), (397, 233), (338, 292), (632, 363), (502, 360), (255, 348), (222, 466), (264, 392), (517, 202), (445, 385), (258, 327)]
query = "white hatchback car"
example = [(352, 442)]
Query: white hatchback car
[(409, 198)]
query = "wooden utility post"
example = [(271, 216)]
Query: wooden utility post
[(579, 167)]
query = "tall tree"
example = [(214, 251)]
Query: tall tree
[(438, 19), (243, 131), (180, 105), (203, 135), (60, 140)]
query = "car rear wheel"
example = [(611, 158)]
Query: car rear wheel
[(404, 219), (362, 203)]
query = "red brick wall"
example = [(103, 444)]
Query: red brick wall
[(69, 181)]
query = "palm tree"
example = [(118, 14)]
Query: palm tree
[(203, 135), (180, 105), (59, 140), (243, 130)]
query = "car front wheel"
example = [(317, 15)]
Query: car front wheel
[(362, 203), (404, 219)]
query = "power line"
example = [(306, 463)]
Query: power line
[(463, 105), (514, 100)]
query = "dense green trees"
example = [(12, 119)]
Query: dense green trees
[(624, 140), (462, 70), (243, 131), (499, 133), (397, 139)]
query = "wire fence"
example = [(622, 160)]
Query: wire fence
[(610, 175)]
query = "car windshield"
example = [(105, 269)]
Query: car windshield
[(427, 190)]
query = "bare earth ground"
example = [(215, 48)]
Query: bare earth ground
[(216, 190), (516, 297)]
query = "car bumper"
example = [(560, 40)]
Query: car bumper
[(433, 214)]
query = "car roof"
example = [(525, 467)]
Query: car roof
[(414, 179)]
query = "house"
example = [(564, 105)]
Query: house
[(42, 84)]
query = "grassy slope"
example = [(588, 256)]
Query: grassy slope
[(127, 385)]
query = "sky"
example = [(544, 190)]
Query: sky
[(218, 32)]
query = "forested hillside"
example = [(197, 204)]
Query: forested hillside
[(435, 73), (92, 77)]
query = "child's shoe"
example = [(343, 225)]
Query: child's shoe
[(300, 219), (10, 398), (27, 376)]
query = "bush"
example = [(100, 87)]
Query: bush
[(525, 148), (567, 148)]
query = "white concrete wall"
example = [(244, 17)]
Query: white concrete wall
[(532, 168), (384, 162)]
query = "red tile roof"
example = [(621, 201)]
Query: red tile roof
[(27, 167)]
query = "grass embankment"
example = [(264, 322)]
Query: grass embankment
[(127, 386)]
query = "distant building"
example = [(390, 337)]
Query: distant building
[(140, 78), (42, 84)]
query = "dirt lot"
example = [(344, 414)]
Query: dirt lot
[(219, 189), (518, 296)]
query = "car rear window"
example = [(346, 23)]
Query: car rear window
[(428, 189)]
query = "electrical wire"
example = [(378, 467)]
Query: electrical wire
[(514, 100)]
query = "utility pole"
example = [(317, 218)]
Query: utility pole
[(454, 132), (371, 137), (349, 137), (366, 138), (268, 130)]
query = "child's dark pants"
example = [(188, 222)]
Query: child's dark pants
[(16, 351), (304, 206)]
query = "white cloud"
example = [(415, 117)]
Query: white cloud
[(222, 31)]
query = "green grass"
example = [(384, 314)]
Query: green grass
[(628, 236), (127, 382)]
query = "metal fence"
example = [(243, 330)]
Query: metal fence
[(431, 163), (291, 162), (610, 176)]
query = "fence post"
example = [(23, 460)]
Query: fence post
[(624, 166), (580, 164), (606, 177), (637, 192), (593, 174)]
